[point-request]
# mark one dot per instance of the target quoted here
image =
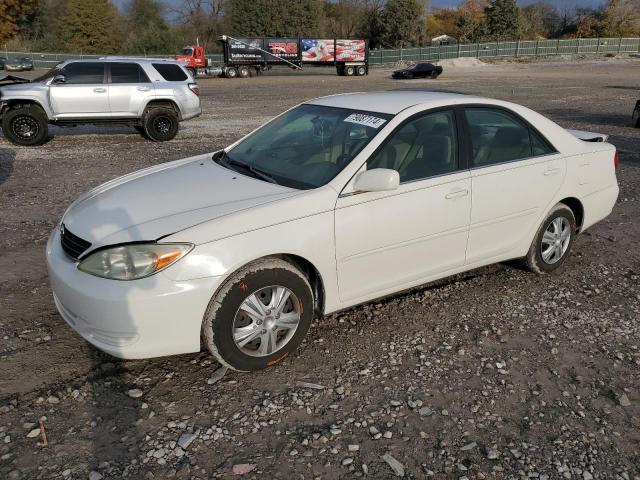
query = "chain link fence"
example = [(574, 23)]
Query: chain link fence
[(521, 48)]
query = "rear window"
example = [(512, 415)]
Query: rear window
[(170, 72), (127, 73)]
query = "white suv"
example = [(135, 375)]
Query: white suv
[(149, 94)]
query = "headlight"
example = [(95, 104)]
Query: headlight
[(130, 262)]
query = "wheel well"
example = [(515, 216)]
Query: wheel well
[(12, 103), (314, 277), (164, 103), (576, 207)]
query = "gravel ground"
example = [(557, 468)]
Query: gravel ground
[(497, 373)]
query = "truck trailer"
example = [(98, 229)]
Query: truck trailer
[(350, 57)]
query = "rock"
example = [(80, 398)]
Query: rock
[(53, 399), (396, 466), (353, 448), (365, 469), (243, 468), (347, 461), (186, 439), (469, 446), (217, 375), (14, 475), (493, 453), (388, 434), (624, 400), (135, 393), (33, 433), (95, 475), (293, 452), (425, 412), (66, 473), (586, 475)]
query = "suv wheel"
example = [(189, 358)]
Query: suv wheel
[(160, 124), (26, 125), (552, 243), (260, 315)]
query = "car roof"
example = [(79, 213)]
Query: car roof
[(394, 101), (123, 59)]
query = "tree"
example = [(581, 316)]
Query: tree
[(503, 20), (403, 23), (621, 18), (88, 27), (275, 17), (471, 21), (16, 17), (539, 20), (148, 30)]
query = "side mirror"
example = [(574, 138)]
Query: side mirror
[(59, 79), (377, 180)]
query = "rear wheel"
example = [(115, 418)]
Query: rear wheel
[(26, 125), (231, 72), (552, 243), (361, 70), (259, 316), (244, 72), (636, 116), (434, 74), (160, 124), (349, 70)]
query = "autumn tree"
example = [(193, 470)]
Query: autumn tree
[(16, 16), (402, 22), (621, 18)]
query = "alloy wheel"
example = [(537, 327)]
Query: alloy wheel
[(25, 127)]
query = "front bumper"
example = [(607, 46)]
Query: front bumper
[(145, 318)]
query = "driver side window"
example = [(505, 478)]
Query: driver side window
[(84, 73), (424, 147)]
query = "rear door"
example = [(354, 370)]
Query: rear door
[(515, 174), (129, 89), (84, 92)]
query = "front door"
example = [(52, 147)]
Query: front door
[(389, 240), (84, 92)]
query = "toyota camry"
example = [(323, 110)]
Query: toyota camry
[(335, 202)]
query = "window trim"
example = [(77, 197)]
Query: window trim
[(461, 148), (109, 78), (519, 118), (104, 72)]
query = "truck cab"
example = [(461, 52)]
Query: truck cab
[(193, 58)]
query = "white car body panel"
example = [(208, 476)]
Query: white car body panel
[(363, 245)]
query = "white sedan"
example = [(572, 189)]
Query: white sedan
[(338, 201)]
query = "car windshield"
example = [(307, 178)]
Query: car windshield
[(50, 74), (306, 147), (187, 51)]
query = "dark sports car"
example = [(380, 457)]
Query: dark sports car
[(635, 116), (418, 70)]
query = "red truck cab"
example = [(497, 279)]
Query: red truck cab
[(193, 56)]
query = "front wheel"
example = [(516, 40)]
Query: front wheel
[(552, 243), (26, 125), (259, 316), (160, 124)]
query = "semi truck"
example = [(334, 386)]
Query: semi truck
[(242, 55)]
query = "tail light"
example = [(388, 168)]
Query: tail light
[(194, 88), (615, 160)]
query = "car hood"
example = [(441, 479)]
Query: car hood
[(156, 202)]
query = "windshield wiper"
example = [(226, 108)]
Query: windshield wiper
[(222, 157)]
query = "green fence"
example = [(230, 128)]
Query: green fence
[(522, 48)]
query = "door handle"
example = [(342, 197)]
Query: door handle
[(99, 90), (551, 171), (456, 194), (144, 89)]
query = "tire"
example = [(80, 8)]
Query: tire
[(538, 259), (635, 117), (243, 72), (434, 74), (26, 125), (361, 71), (231, 72), (160, 124), (227, 315), (349, 70)]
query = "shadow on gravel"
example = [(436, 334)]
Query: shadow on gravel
[(624, 87), (7, 157)]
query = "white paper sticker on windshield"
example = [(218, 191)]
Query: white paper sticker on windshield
[(366, 120)]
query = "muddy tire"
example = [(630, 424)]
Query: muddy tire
[(259, 316), (160, 124), (552, 243), (26, 125)]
